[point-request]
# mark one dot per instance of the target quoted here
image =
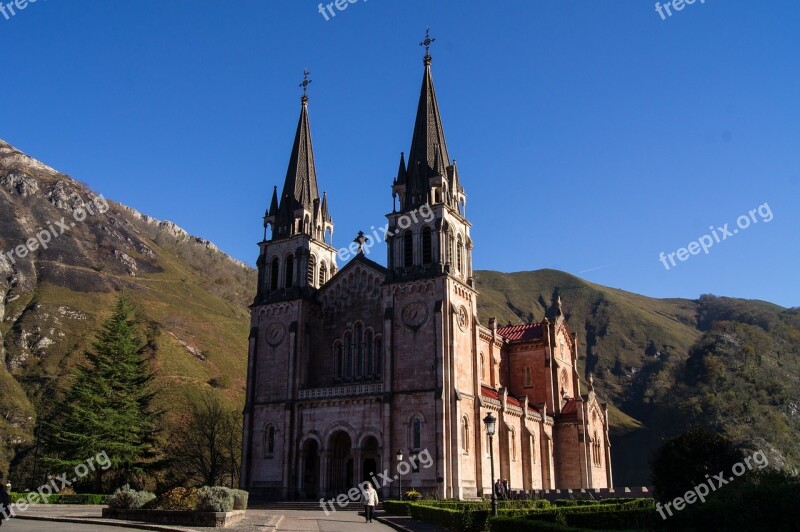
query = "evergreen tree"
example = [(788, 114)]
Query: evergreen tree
[(108, 409)]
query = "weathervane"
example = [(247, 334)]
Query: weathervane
[(427, 42), (306, 83)]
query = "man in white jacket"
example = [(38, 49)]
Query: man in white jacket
[(370, 502)]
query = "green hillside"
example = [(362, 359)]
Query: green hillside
[(661, 364), (664, 364)]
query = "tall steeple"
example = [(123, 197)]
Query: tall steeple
[(428, 157), (300, 195), (298, 256)]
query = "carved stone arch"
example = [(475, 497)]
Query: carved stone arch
[(341, 426), (312, 435), (370, 432)]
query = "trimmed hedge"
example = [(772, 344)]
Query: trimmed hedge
[(509, 524), (57, 498), (397, 507)]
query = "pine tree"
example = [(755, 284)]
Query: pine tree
[(108, 409)]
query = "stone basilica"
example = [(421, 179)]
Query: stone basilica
[(349, 366)]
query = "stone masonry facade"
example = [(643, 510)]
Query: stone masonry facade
[(348, 367)]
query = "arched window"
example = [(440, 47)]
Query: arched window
[(312, 267), (370, 346), (460, 255), (465, 435), (273, 275), (450, 257), (323, 273), (512, 444), (379, 357), (348, 345), (533, 449), (408, 249), (289, 271), (338, 359), (480, 367), (427, 246), (306, 225), (416, 434), (269, 441), (528, 377), (358, 338)]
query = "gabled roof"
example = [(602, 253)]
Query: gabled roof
[(529, 332)]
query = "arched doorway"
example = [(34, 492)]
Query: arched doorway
[(370, 459), (310, 469), (340, 476)]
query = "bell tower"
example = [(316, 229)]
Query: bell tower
[(297, 254), (428, 224)]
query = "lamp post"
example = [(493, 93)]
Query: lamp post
[(491, 423), (399, 457)]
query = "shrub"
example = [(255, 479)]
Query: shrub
[(510, 524), (413, 495), (178, 499), (396, 507), (613, 519), (127, 499), (215, 499), (240, 498)]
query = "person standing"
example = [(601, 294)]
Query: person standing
[(5, 502), (498, 490), (370, 502), (506, 489)]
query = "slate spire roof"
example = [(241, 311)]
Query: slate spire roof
[(428, 156), (300, 187)]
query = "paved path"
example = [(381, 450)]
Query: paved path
[(256, 521)]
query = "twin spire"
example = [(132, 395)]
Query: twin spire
[(428, 162)]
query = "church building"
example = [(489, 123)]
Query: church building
[(351, 366)]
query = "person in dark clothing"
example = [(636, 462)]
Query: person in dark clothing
[(5, 502), (498, 490), (506, 489)]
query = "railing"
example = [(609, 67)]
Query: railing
[(341, 391)]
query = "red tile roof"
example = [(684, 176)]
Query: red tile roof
[(514, 401), (522, 333), (489, 392), (570, 409)]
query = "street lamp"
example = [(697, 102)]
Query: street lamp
[(491, 424), (399, 457)]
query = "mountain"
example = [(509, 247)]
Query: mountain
[(661, 364), (53, 294)]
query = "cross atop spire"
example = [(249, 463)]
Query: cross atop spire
[(362, 241), (427, 44), (305, 84)]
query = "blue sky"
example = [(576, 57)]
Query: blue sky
[(590, 136)]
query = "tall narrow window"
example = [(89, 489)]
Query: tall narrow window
[(323, 273), (408, 249), (533, 449), (273, 274), (338, 360), (348, 345), (370, 345), (512, 445), (378, 357), (289, 271), (450, 257), (427, 246), (465, 435), (417, 434), (358, 338), (312, 267), (480, 368), (460, 255), (269, 443), (528, 377)]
